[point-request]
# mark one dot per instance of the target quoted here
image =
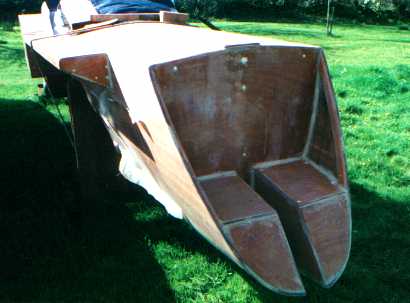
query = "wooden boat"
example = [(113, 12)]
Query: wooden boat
[(239, 135)]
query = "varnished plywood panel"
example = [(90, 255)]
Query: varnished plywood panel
[(318, 225), (328, 225), (300, 181), (93, 68), (328, 146), (263, 247), (322, 147), (245, 105), (293, 226), (233, 199)]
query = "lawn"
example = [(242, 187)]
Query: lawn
[(57, 248)]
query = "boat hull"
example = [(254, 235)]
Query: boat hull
[(240, 136)]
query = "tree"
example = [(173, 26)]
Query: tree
[(10, 8), (329, 17), (201, 10)]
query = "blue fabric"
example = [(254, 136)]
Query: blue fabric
[(52, 4), (132, 6)]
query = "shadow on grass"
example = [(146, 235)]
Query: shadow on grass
[(11, 54), (378, 270), (55, 247)]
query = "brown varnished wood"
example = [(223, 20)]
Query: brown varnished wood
[(300, 181), (93, 68), (125, 17), (329, 226), (264, 250), (231, 110), (161, 161), (163, 16), (334, 121), (306, 183), (322, 148), (89, 27), (233, 199), (315, 214), (254, 229), (173, 17), (293, 226)]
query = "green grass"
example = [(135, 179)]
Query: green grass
[(57, 248)]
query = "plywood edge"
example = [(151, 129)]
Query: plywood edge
[(334, 119)]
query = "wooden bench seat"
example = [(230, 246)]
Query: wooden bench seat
[(300, 181), (254, 229), (233, 199), (315, 213)]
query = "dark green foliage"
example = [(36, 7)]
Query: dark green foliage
[(10, 8), (365, 10), (200, 8)]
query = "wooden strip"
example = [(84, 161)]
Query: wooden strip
[(89, 27), (126, 17), (275, 163), (217, 175), (173, 17)]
